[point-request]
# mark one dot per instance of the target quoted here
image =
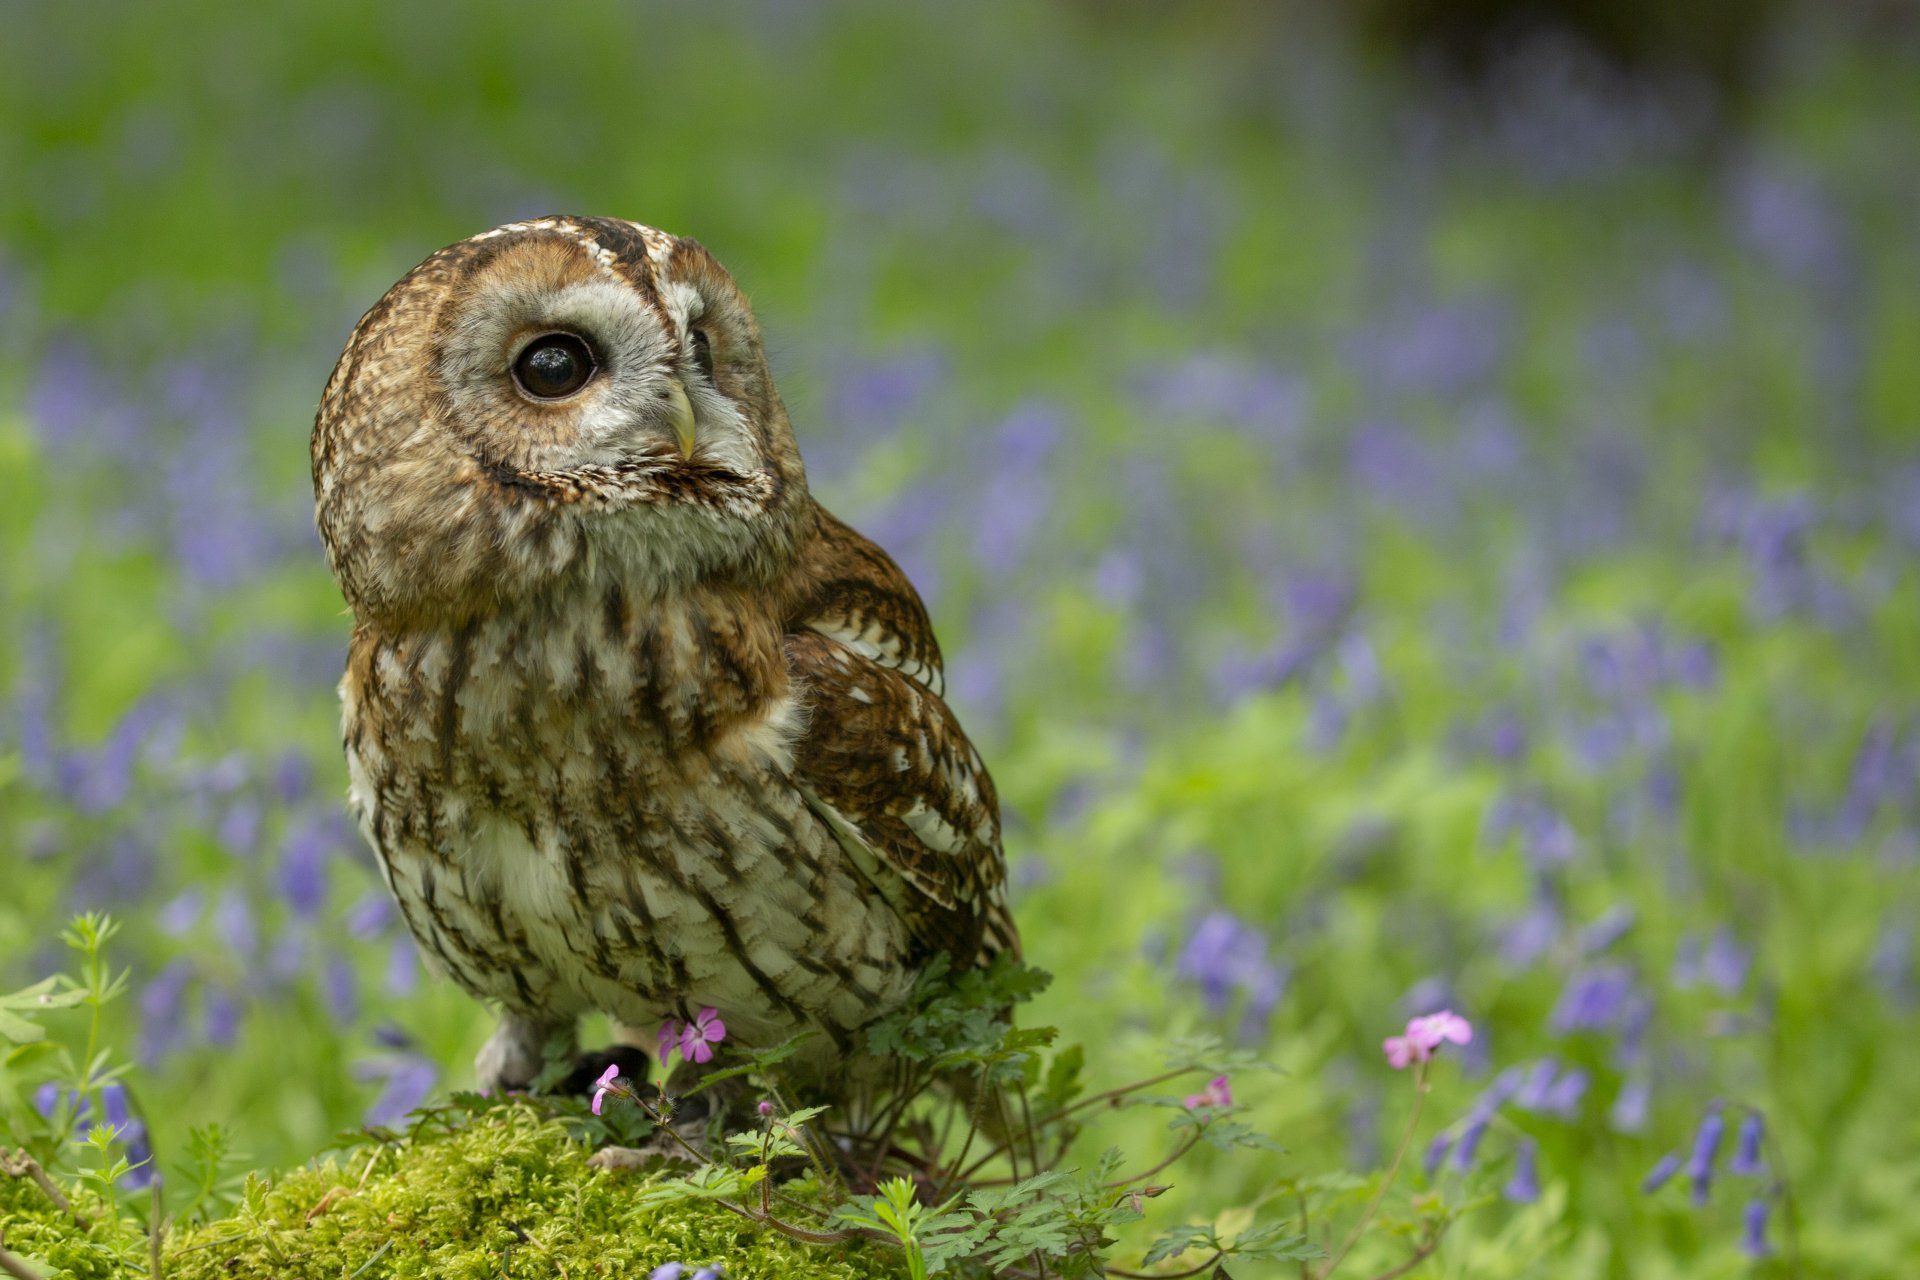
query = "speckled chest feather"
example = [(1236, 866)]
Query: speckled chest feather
[(592, 805)]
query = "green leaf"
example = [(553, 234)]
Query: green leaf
[(757, 1060), (41, 997), (1062, 1082), (1175, 1241)]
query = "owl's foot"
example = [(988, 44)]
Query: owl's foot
[(691, 1137), (659, 1151), (515, 1053)]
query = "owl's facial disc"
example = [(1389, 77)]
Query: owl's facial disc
[(551, 360)]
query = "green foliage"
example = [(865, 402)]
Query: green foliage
[(507, 1195), (1380, 455)]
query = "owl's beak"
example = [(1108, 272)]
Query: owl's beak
[(680, 413)]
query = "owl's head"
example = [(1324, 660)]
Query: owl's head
[(550, 399)]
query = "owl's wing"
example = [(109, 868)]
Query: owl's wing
[(857, 595), (888, 768)]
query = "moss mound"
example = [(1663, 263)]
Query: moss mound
[(511, 1195)]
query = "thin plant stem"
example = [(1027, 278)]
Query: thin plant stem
[(798, 1233), (1218, 1257), (1306, 1230), (1386, 1183), (1192, 1141), (156, 1237), (1414, 1259), (13, 1266), (1052, 1118), (22, 1165)]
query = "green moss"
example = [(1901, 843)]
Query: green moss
[(509, 1196)]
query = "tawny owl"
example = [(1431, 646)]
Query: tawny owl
[(633, 724)]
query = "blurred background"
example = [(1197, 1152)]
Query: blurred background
[(1420, 501)]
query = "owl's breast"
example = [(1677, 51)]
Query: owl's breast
[(571, 824)]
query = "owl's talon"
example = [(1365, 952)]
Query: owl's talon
[(610, 1158), (659, 1150)]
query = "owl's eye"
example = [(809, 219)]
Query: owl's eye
[(554, 366), (703, 353)]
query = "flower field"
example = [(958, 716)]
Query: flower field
[(1398, 550)]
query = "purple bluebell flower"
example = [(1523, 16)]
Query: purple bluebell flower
[(1631, 1104), (46, 1099), (342, 989), (371, 916), (1226, 957), (223, 1014), (1467, 1146), (882, 393), (668, 1271), (1118, 578), (1785, 215), (1706, 1150), (70, 393), (1746, 1161), (1547, 840), (1753, 1228), (709, 1273), (233, 922), (1505, 734), (1725, 961), (1608, 929), (1891, 965), (1524, 1186), (1437, 1151), (1445, 347), (1563, 1098), (1016, 503), (120, 872), (286, 959), (407, 1079), (303, 866), (1882, 772), (391, 1035), (223, 777), (1536, 1085), (1215, 388), (1326, 723), (1595, 998), (403, 966), (292, 777), (239, 828), (182, 911), (101, 779), (1696, 665), (1630, 1037), (1530, 936), (1661, 1173), (1505, 1087), (162, 1001)]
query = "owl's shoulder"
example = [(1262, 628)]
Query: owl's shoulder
[(853, 592)]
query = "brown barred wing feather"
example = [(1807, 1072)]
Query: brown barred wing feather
[(855, 594), (886, 765)]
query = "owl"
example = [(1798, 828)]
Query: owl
[(632, 723)]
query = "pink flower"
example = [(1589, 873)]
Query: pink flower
[(669, 1039), (604, 1085), (705, 1031), (1424, 1036), (1218, 1093)]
